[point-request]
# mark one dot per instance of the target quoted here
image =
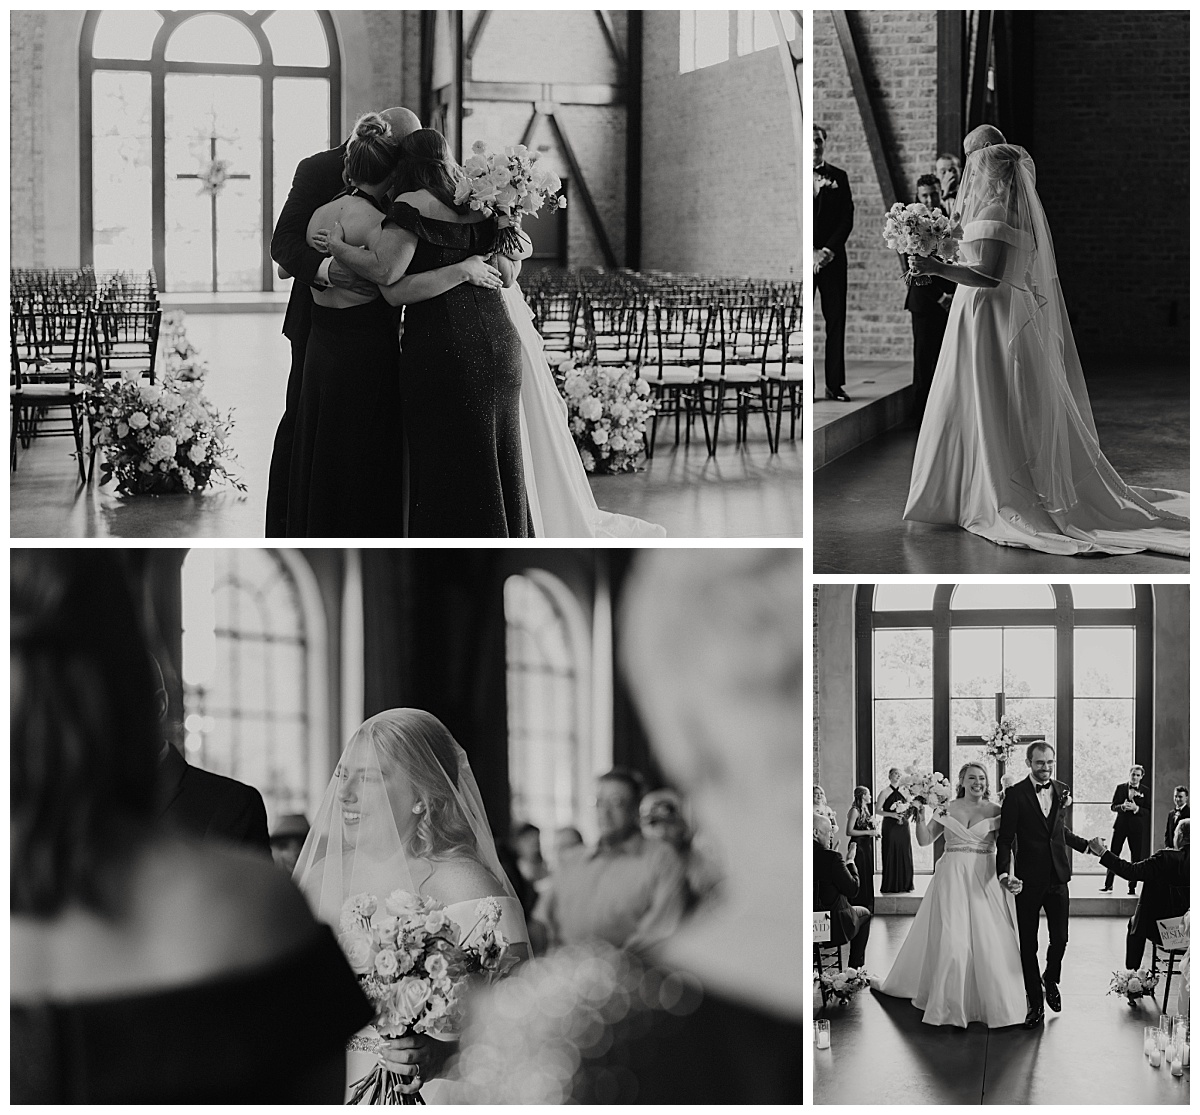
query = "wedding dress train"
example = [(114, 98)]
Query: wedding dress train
[(560, 498), (961, 960)]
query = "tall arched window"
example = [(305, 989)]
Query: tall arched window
[(937, 665), (548, 666), (191, 125), (253, 675)]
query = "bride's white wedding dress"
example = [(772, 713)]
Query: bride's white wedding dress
[(361, 1059), (1008, 447), (561, 503), (961, 960)]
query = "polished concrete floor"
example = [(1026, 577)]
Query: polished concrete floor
[(740, 492), (881, 1053), (858, 500)]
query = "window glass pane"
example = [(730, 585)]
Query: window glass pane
[(1103, 746), (756, 30), (1102, 596), (1033, 717), (1029, 660), (904, 598), (975, 662), (712, 38), (903, 663), (301, 129), (125, 34), (121, 171), (903, 737), (297, 38), (970, 716), (1002, 596), (1090, 820), (1104, 662), (213, 38)]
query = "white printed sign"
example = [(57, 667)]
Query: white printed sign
[(821, 931), (1173, 932)]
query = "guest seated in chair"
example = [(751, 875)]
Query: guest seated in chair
[(1166, 894), (835, 882)]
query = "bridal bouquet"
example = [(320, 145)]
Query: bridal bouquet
[(917, 230), (510, 184), (1133, 984), (1001, 738), (925, 788), (607, 409), (414, 967), (844, 985), (160, 438)]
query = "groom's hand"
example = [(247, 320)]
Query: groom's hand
[(416, 1057), (1012, 884)]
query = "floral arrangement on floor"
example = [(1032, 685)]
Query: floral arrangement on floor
[(843, 986), (181, 359), (607, 407), (509, 184), (916, 230), (413, 967), (924, 788), (1001, 738), (1133, 984)]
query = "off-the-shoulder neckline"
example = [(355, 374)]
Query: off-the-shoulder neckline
[(438, 220)]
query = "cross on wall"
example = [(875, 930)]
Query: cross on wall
[(212, 154), (978, 741)]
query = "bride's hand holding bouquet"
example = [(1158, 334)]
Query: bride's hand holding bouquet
[(922, 234), (511, 185)]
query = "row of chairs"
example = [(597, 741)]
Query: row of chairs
[(724, 353), (68, 332)]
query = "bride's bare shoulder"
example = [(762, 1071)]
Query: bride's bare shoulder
[(461, 880), (992, 809)]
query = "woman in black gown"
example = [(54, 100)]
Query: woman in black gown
[(345, 477), (862, 832), (897, 841)]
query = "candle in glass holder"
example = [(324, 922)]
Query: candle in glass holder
[(1187, 1054), (1177, 1067), (1161, 1035), (822, 1033), (1156, 1057), (1170, 1051), (1149, 1040)]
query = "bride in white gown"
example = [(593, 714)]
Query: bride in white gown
[(1008, 447), (403, 812), (961, 960)]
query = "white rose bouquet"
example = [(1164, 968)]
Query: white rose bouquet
[(511, 185), (917, 230), (1001, 738), (844, 985), (607, 408), (414, 967), (1133, 984), (925, 788)]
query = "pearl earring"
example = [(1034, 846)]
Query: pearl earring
[(418, 808)]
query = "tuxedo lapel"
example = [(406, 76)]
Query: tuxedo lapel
[(1055, 805), (171, 772)]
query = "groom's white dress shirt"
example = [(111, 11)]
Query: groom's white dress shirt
[(1046, 798)]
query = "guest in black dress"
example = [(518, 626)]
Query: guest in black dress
[(346, 475), (896, 841), (145, 968), (862, 832)]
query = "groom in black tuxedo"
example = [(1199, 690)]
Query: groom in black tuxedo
[(833, 220), (1034, 863)]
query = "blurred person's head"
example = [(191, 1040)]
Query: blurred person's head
[(948, 171), (720, 686), (287, 838), (929, 191), (567, 840), (1183, 833), (662, 818), (527, 842), (617, 796), (84, 728)]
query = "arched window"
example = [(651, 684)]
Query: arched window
[(938, 665), (191, 125), (548, 666), (254, 675)]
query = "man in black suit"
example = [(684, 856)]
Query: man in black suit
[(833, 220), (929, 305), (1034, 863), (1166, 889), (835, 882), (1181, 812), (948, 168), (205, 805), (1131, 804)]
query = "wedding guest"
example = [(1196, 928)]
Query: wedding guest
[(715, 1013), (287, 838), (948, 168), (1181, 812), (567, 841), (822, 808), (628, 891), (662, 819), (896, 840), (861, 834), (929, 306), (835, 883), (527, 844), (1131, 804), (146, 968), (833, 221), (1166, 888)]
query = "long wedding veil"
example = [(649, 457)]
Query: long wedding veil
[(402, 799)]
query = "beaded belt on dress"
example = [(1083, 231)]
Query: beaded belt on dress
[(971, 848)]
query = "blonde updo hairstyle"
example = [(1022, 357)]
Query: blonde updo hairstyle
[(372, 151)]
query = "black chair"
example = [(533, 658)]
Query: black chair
[(674, 367)]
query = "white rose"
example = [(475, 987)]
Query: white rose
[(138, 420), (600, 437), (436, 920), (122, 429), (401, 902), (360, 952), (386, 963), (197, 453), (590, 409)]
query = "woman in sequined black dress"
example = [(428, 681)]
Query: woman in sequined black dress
[(460, 371)]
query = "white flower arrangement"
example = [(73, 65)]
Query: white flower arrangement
[(607, 408), (1133, 984), (925, 788), (844, 985), (1001, 738), (414, 968), (510, 184), (181, 359), (213, 177), (917, 230)]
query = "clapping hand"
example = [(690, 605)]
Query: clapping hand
[(1097, 846)]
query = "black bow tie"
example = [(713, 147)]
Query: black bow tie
[(1044, 786)]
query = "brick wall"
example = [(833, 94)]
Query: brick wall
[(900, 63), (25, 150), (1110, 136), (719, 165)]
